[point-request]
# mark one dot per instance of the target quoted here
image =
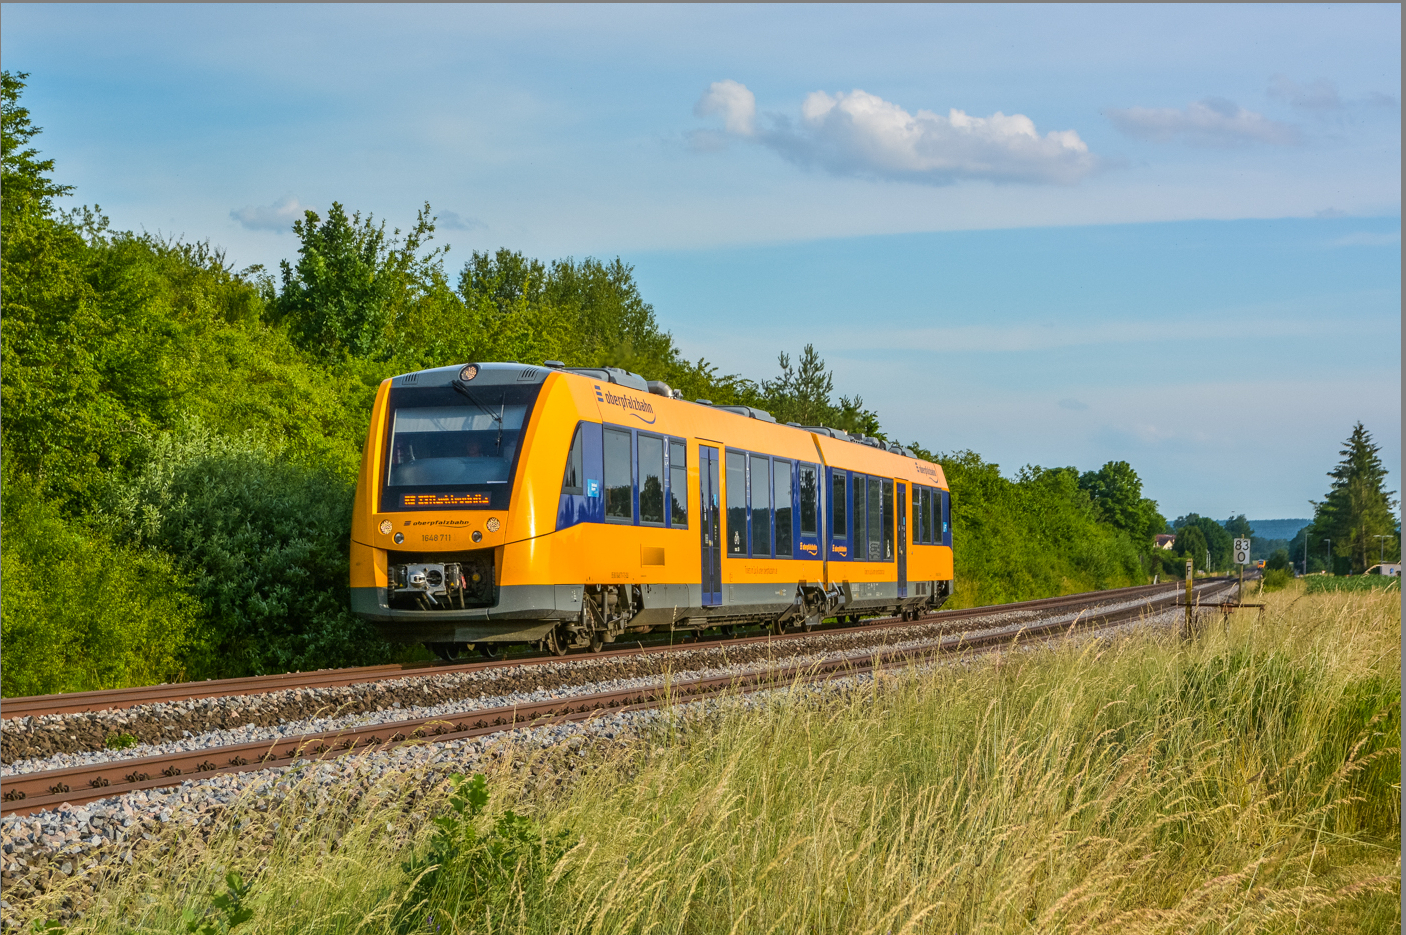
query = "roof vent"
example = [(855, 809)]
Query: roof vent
[(704, 402), (751, 413), (553, 364), (659, 388)]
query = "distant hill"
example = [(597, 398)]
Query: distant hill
[(1278, 528)]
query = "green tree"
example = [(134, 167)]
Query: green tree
[(1279, 561), (1116, 491), (1358, 506), (351, 280), (1238, 527), (1191, 543), (28, 192)]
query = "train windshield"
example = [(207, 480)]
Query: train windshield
[(448, 450)]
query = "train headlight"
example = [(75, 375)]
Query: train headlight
[(492, 524), (469, 372), (399, 538), (385, 527), (477, 536)]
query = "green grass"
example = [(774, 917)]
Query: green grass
[(1245, 781), (1320, 584)]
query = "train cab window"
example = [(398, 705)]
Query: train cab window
[(887, 512), (761, 505), (619, 480), (651, 479), (839, 500), (781, 497), (678, 484), (736, 470), (808, 499), (572, 479)]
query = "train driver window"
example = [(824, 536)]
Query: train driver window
[(839, 521), (572, 481), (651, 476), (808, 498), (619, 481), (736, 470), (678, 485), (781, 497), (761, 505)]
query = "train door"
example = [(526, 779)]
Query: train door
[(901, 491), (710, 505)]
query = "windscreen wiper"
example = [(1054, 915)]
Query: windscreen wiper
[(496, 417)]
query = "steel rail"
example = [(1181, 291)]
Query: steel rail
[(86, 702), (37, 791)]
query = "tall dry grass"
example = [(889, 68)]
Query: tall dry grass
[(1245, 781)]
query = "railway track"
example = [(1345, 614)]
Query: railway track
[(40, 790), (86, 702)]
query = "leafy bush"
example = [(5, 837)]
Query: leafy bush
[(1034, 536), (1275, 579), (468, 874), (264, 542), (1321, 584), (81, 613)]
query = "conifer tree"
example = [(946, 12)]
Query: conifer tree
[(1357, 508)]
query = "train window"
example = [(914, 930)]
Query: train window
[(651, 479), (761, 505), (875, 517), (619, 481), (808, 499), (946, 517), (861, 526), (736, 503), (571, 481), (678, 484), (839, 521), (924, 506), (886, 489), (781, 496)]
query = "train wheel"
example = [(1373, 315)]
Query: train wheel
[(446, 651), (597, 641), (490, 651), (553, 643), (728, 632)]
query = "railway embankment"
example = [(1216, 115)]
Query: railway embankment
[(1152, 782)]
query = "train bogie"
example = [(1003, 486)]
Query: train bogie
[(504, 503)]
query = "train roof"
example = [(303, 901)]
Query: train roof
[(499, 373)]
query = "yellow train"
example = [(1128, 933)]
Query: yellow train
[(507, 503)]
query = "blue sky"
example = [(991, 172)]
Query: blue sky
[(1054, 235)]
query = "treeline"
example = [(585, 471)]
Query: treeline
[(181, 437)]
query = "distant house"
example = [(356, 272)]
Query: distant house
[(1164, 542), (1385, 568)]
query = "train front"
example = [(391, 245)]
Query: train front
[(435, 506)]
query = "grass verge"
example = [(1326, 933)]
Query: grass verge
[(1245, 781)]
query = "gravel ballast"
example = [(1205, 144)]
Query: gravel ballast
[(78, 849)]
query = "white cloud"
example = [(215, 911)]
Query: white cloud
[(862, 134), (1210, 122), (454, 221), (1320, 95), (731, 99), (278, 216)]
